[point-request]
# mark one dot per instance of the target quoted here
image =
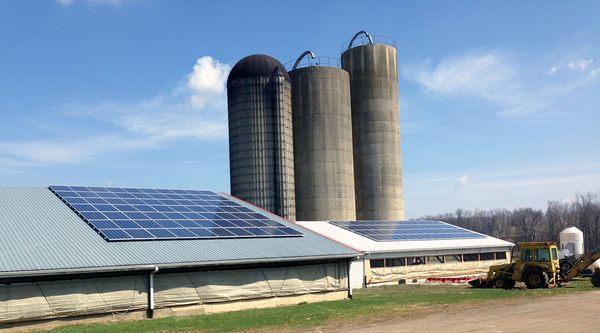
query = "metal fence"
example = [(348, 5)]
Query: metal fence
[(364, 40), (317, 61)]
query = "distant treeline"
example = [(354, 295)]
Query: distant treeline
[(528, 224)]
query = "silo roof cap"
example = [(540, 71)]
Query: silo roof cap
[(571, 230), (257, 65)]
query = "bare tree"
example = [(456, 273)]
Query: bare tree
[(459, 216), (528, 224), (557, 218), (587, 212), (500, 221)]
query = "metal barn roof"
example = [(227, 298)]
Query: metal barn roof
[(40, 235), (405, 247)]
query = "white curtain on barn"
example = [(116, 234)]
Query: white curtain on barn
[(47, 300)]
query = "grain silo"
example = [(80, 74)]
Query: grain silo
[(376, 128), (323, 157), (571, 242), (261, 153)]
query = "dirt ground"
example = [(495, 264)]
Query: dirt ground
[(578, 312)]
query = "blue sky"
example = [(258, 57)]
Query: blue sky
[(500, 101)]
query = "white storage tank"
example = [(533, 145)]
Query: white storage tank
[(571, 239)]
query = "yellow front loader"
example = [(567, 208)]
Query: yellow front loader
[(538, 266), (580, 264)]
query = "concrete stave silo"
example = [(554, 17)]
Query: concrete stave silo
[(323, 159), (261, 154), (376, 129)]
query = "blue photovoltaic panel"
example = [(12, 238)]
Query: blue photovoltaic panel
[(128, 214), (415, 230)]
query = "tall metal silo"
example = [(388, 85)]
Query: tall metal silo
[(323, 159), (376, 128), (261, 152)]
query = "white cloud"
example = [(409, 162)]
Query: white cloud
[(579, 65), (595, 72), (175, 126), (495, 78), (207, 80), (472, 73), (488, 189), (490, 77), (67, 151), (462, 181), (196, 109), (554, 69)]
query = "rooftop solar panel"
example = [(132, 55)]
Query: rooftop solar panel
[(134, 214), (414, 230)]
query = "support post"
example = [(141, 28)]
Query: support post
[(365, 280), (349, 283), (150, 310)]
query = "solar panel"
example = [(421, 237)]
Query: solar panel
[(415, 230), (134, 214)]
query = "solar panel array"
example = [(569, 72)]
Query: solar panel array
[(128, 214), (415, 230)]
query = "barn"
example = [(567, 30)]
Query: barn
[(96, 252), (403, 251)]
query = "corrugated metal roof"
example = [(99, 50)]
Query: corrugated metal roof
[(39, 232), (364, 244)]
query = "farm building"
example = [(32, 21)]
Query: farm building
[(404, 250), (88, 251)]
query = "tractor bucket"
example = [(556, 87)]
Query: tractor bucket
[(479, 283)]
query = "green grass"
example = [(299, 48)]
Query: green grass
[(368, 304)]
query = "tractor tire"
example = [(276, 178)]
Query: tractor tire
[(510, 284), (499, 283), (596, 278), (536, 279), (565, 266), (504, 283)]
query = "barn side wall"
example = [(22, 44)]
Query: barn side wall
[(393, 274), (229, 289)]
